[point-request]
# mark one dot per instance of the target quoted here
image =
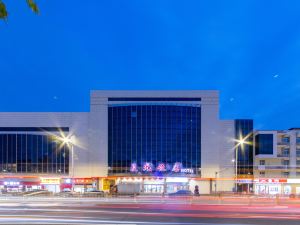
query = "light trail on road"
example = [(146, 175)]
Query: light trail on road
[(97, 211)]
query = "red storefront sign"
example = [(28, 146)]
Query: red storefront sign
[(272, 180), (83, 180)]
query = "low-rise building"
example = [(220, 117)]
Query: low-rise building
[(277, 161)]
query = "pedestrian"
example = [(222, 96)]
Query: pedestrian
[(196, 191)]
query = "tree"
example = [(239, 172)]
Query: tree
[(4, 14)]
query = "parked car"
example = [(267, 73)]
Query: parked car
[(93, 193), (181, 193), (65, 193)]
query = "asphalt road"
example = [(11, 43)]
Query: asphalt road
[(145, 211)]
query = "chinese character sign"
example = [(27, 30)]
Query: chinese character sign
[(147, 167), (133, 168), (177, 167), (161, 167)]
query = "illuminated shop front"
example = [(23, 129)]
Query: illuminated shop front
[(273, 186), (51, 184), (84, 184), (152, 185), (15, 184)]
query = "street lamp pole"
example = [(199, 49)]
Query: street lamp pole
[(216, 178), (236, 168), (69, 141), (241, 143), (72, 155)]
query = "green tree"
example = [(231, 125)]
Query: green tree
[(31, 4)]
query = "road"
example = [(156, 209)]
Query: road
[(147, 210)]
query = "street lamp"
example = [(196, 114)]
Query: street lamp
[(70, 142), (240, 142)]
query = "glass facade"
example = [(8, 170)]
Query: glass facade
[(264, 144), (244, 130), (33, 153), (154, 138)]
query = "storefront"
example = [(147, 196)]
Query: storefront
[(153, 186), (177, 183), (84, 184), (51, 184), (19, 184), (107, 184), (150, 185), (66, 184), (245, 185), (271, 186)]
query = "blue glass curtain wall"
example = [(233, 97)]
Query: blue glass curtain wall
[(243, 129), (155, 134), (31, 153)]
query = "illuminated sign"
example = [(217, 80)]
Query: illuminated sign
[(177, 180), (244, 181), (50, 180), (271, 180), (11, 183), (177, 167), (107, 183), (161, 167), (293, 181), (147, 167), (133, 168), (68, 181), (187, 170), (83, 181)]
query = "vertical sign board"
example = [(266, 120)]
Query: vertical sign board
[(106, 183)]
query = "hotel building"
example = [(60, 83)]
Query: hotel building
[(146, 141)]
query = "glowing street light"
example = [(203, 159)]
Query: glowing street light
[(240, 142), (69, 141)]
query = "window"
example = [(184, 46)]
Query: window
[(298, 152), (286, 152), (262, 162), (298, 162), (285, 140), (264, 144), (285, 162), (133, 114), (262, 173), (33, 153), (298, 174), (145, 99), (285, 174)]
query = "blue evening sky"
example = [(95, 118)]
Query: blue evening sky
[(247, 49)]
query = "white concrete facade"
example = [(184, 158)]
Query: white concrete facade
[(284, 161), (91, 132)]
